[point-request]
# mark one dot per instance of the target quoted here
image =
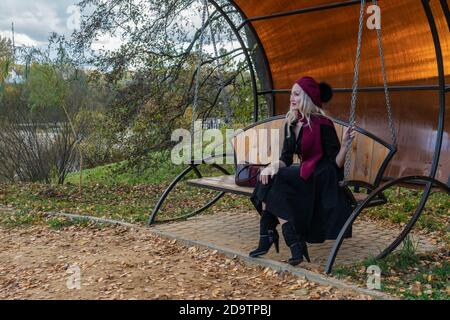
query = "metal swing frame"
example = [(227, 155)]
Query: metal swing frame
[(429, 182)]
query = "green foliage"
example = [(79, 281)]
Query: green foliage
[(155, 169), (402, 203), (408, 252), (6, 49), (6, 63), (47, 88)]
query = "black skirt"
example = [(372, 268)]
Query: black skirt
[(318, 207)]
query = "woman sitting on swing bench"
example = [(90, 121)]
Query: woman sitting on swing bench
[(305, 198)]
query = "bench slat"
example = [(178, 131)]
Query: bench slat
[(221, 183), (226, 184)]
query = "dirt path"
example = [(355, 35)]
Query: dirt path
[(117, 263)]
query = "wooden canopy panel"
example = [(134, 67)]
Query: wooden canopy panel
[(322, 44), (266, 138)]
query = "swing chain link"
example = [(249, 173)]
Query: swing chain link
[(385, 84), (347, 165)]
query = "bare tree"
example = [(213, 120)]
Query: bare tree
[(38, 137)]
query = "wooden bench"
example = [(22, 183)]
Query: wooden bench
[(369, 158)]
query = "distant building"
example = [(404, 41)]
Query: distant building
[(212, 123)]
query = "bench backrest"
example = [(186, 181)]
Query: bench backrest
[(369, 156)]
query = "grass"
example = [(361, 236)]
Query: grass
[(158, 171), (19, 218), (402, 204), (122, 193), (26, 218), (58, 223), (405, 273)]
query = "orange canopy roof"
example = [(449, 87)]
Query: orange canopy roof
[(319, 39)]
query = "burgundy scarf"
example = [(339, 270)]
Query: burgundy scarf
[(311, 146)]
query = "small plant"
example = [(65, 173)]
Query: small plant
[(408, 205), (399, 217), (407, 256), (58, 223)]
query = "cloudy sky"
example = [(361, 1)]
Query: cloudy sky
[(34, 20)]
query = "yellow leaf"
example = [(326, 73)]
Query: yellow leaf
[(215, 293)]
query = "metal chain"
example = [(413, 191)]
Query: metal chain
[(385, 84), (197, 75), (352, 116)]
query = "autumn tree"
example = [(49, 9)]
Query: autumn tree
[(6, 60), (155, 66), (44, 120)]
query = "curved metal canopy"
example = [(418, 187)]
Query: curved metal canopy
[(319, 37)]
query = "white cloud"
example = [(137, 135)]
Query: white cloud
[(36, 19), (106, 42), (21, 39)]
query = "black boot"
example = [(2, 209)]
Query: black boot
[(268, 234), (299, 249)]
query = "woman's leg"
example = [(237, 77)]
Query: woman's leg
[(276, 219), (299, 249), (268, 233)]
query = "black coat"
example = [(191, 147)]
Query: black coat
[(318, 207)]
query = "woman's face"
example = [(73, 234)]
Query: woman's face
[(295, 97)]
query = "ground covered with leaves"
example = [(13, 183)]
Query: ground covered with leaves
[(407, 275), (117, 193), (42, 261)]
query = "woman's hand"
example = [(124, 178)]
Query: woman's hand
[(267, 172), (349, 135)]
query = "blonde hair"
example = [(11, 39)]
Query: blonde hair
[(306, 108)]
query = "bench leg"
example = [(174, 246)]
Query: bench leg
[(375, 193), (415, 217), (191, 167)]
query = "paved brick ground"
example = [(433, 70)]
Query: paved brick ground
[(239, 232)]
